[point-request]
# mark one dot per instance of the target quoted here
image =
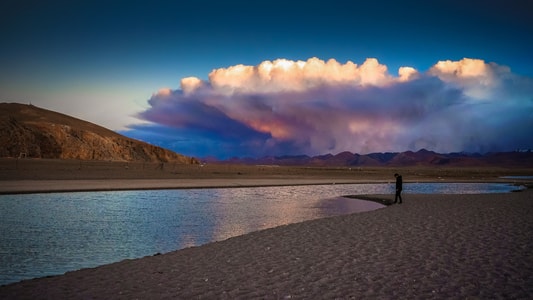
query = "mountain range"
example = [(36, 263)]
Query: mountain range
[(32, 132), (423, 157)]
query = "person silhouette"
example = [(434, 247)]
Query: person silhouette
[(399, 186)]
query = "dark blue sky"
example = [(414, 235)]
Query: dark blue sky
[(102, 60)]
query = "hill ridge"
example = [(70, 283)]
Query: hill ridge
[(31, 131)]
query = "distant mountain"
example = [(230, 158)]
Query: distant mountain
[(30, 131), (422, 157)]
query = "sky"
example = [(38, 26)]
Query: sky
[(255, 78)]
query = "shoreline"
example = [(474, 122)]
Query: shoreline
[(432, 246), (13, 187), (55, 175), (98, 185), (323, 208)]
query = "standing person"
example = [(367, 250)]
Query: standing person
[(399, 183)]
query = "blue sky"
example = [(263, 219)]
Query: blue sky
[(107, 61)]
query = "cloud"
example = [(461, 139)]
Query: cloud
[(315, 107), (284, 75), (474, 75)]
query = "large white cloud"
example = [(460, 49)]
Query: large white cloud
[(284, 75), (315, 107), (478, 78)]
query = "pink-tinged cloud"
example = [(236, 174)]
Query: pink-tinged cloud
[(316, 107), (284, 75)]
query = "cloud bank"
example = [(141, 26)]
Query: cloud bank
[(286, 107)]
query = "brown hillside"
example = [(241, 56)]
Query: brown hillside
[(30, 131)]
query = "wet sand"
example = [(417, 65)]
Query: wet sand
[(430, 247)]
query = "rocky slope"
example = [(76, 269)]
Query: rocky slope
[(30, 131)]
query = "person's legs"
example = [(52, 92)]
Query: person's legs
[(397, 196)]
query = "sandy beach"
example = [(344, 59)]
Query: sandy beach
[(430, 247)]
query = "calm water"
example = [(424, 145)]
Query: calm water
[(48, 234), (518, 177)]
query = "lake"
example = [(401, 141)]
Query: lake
[(52, 233)]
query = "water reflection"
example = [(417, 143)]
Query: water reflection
[(263, 208), (47, 234)]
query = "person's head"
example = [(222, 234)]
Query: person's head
[(396, 175)]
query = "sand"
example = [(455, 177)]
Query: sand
[(430, 247), (52, 175)]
